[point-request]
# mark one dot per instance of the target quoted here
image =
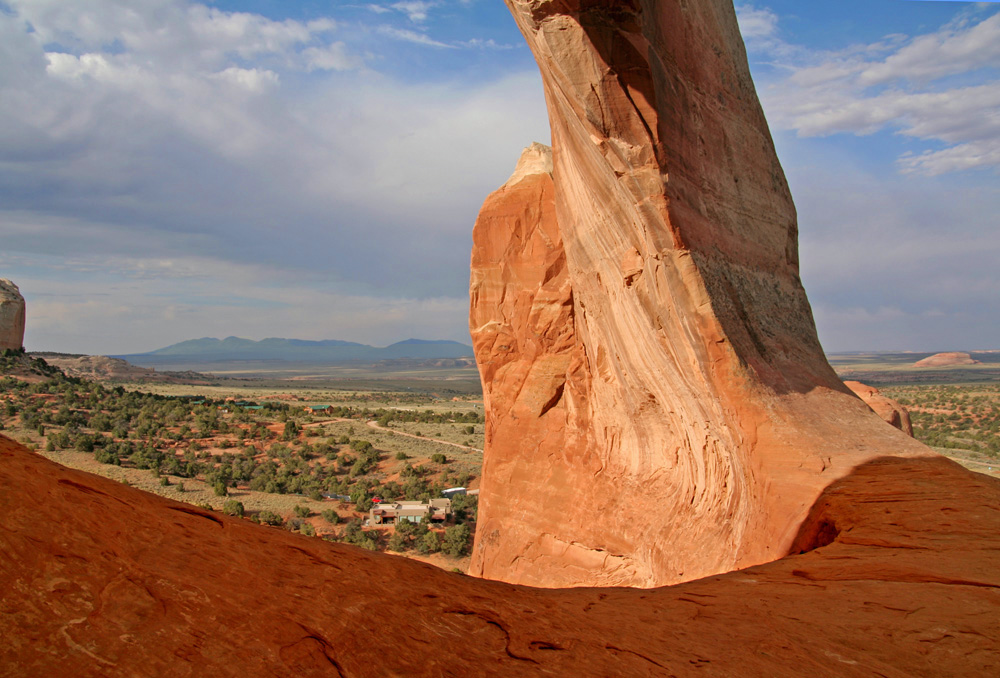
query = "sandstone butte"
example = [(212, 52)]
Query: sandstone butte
[(11, 316), (659, 408), (887, 408), (100, 579), (946, 360)]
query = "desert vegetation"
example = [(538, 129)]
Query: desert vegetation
[(315, 470), (960, 420)]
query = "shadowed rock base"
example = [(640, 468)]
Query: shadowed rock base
[(99, 579)]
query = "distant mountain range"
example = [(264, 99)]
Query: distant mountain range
[(297, 350)]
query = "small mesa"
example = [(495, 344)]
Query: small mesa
[(948, 359)]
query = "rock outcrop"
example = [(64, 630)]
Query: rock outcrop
[(107, 369), (659, 407), (100, 579), (891, 411), (11, 316), (948, 359)]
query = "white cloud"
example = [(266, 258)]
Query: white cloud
[(954, 49), (756, 23), (253, 80), (910, 244), (333, 57), (954, 159), (149, 131), (414, 9), (407, 35), (899, 84), (477, 43)]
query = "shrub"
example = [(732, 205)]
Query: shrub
[(308, 530), (428, 543), (397, 542), (438, 458), (270, 518), (401, 456), (301, 511), (164, 481), (220, 489), (330, 516), (353, 534)]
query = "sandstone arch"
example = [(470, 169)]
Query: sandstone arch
[(659, 406)]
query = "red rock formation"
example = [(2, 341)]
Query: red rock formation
[(99, 579), (659, 407), (11, 316), (946, 360), (887, 408)]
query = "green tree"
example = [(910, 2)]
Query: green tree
[(233, 508), (456, 540)]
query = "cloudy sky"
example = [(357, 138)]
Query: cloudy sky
[(172, 169)]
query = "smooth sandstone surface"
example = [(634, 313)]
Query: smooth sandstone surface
[(891, 411), (658, 405), (11, 316), (100, 579)]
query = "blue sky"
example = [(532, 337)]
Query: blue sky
[(173, 169)]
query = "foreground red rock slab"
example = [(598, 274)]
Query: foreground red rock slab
[(99, 579)]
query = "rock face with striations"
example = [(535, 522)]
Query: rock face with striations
[(11, 316), (891, 411), (658, 405)]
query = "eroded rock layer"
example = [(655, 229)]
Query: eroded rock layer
[(659, 407), (11, 316), (99, 579)]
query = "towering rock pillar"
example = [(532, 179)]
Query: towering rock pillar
[(11, 316), (658, 405)]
